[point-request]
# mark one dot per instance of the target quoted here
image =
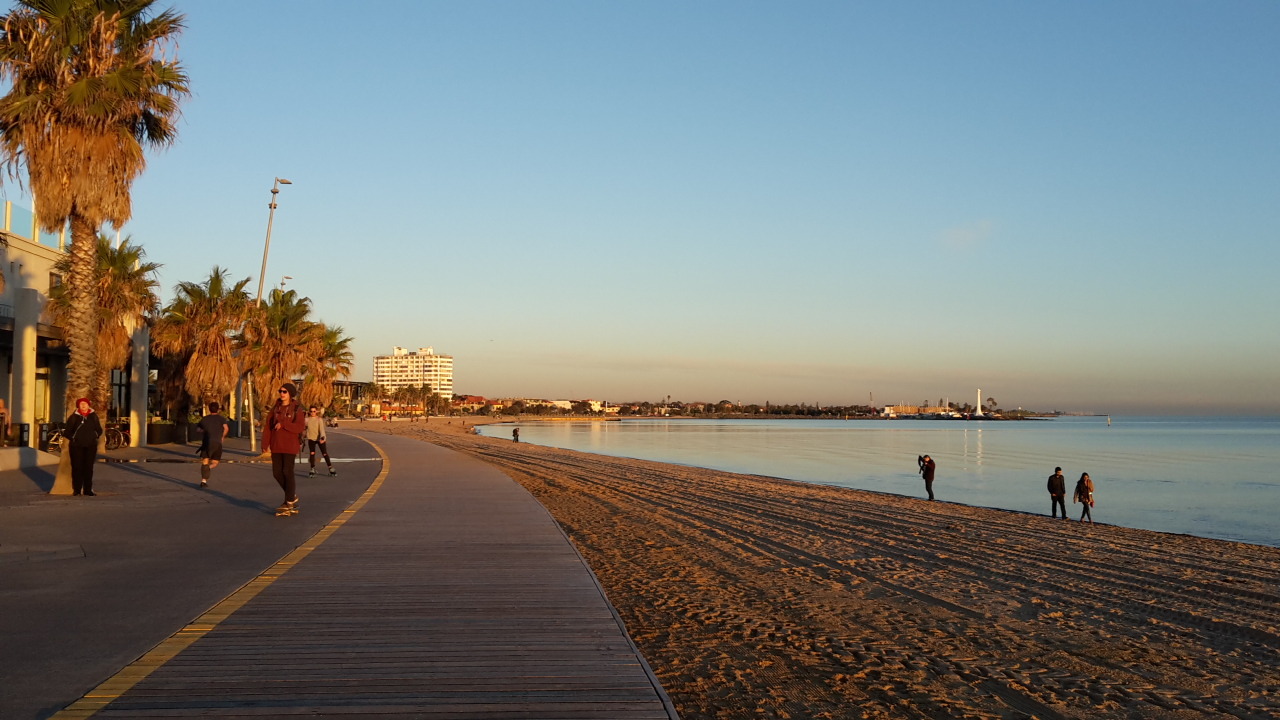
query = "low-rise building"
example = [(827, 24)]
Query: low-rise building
[(33, 351)]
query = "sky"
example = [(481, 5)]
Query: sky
[(1070, 205)]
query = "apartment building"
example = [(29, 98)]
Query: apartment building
[(403, 368)]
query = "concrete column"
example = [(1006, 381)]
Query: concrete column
[(139, 380), (6, 387), (58, 410), (26, 317)]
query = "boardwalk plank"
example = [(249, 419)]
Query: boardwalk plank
[(450, 594)]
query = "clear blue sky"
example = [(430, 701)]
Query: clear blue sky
[(1072, 205)]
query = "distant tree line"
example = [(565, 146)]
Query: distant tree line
[(726, 408)]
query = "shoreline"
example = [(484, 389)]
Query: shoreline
[(1223, 503), (761, 597)]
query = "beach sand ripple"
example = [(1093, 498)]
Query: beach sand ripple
[(757, 597)]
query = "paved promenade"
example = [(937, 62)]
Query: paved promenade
[(430, 585)]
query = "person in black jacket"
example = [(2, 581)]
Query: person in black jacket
[(927, 468), (82, 431), (1058, 493)]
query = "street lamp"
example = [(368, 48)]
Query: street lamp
[(266, 247), (262, 277), (283, 278)]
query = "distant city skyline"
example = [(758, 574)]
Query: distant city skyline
[(1072, 205)]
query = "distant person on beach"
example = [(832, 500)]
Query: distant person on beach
[(1084, 496), (83, 429), (215, 429), (281, 434), (927, 469), (515, 434), (1058, 493), (316, 436)]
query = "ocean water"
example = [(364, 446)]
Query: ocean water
[(1209, 476)]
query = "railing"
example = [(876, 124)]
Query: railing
[(22, 222)]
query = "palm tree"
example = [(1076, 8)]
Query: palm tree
[(373, 393), (423, 397), (335, 361), (124, 298), (402, 397), (279, 340), (92, 84), (194, 337)]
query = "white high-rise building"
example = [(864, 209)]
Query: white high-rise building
[(403, 368)]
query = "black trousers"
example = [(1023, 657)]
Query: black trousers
[(282, 469), (1059, 501), (82, 458), (324, 450)]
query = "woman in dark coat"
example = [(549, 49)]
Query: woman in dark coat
[(82, 432), (1084, 496)]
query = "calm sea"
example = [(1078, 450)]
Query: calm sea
[(1214, 477)]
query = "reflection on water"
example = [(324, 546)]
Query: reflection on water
[(1215, 477)]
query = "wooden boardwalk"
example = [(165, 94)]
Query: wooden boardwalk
[(450, 593)]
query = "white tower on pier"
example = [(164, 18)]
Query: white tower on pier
[(979, 410)]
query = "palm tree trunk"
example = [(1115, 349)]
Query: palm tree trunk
[(82, 330)]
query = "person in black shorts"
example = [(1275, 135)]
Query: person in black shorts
[(215, 428)]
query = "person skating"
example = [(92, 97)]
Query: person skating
[(214, 427), (281, 433), (1058, 493), (316, 436)]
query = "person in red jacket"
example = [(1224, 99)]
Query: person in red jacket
[(282, 435)]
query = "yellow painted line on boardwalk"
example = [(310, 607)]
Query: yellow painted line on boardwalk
[(120, 683)]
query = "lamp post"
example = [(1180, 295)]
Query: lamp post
[(283, 279), (262, 277)]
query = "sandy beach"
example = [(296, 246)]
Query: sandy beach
[(755, 597)]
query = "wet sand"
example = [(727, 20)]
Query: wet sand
[(756, 597)]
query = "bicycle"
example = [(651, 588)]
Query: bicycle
[(117, 437), (55, 440)]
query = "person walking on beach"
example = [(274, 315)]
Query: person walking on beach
[(281, 434), (1084, 496), (316, 436), (1058, 493), (215, 429), (927, 469), (83, 429), (515, 434)]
